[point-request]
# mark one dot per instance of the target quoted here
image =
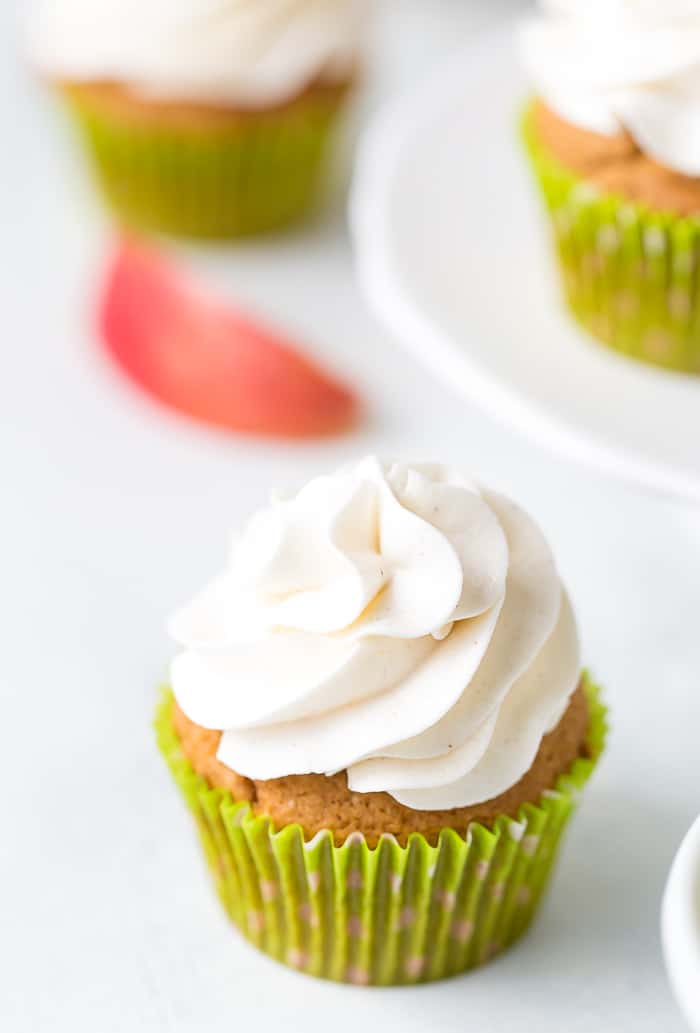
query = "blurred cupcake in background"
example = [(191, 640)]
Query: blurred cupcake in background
[(203, 118), (614, 138)]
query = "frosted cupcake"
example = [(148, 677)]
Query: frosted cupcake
[(379, 721), (206, 118), (614, 138)]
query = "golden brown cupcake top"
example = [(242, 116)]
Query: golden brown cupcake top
[(615, 164), (318, 802)]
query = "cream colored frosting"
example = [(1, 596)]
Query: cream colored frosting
[(604, 65), (221, 51), (395, 620)]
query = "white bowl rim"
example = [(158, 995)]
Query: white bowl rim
[(680, 926)]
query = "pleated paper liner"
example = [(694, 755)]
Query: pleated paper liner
[(388, 915), (244, 176), (630, 276)]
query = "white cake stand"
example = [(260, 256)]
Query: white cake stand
[(453, 255)]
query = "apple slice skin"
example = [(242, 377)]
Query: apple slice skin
[(208, 361)]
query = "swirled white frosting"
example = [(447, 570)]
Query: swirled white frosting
[(396, 621), (220, 51), (604, 65)]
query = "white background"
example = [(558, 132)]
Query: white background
[(113, 511)]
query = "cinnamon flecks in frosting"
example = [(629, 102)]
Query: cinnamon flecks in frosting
[(228, 52), (395, 621), (612, 65)]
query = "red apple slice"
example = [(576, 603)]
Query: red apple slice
[(204, 359)]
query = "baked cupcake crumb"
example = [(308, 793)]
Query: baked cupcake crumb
[(615, 164), (318, 802)]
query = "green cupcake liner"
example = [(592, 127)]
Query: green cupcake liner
[(387, 915), (630, 275), (243, 177)]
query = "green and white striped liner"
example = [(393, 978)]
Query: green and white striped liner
[(630, 275), (387, 915), (246, 177)]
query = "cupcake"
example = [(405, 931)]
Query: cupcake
[(203, 118), (379, 722), (613, 135)]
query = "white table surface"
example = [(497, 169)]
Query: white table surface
[(113, 511)]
